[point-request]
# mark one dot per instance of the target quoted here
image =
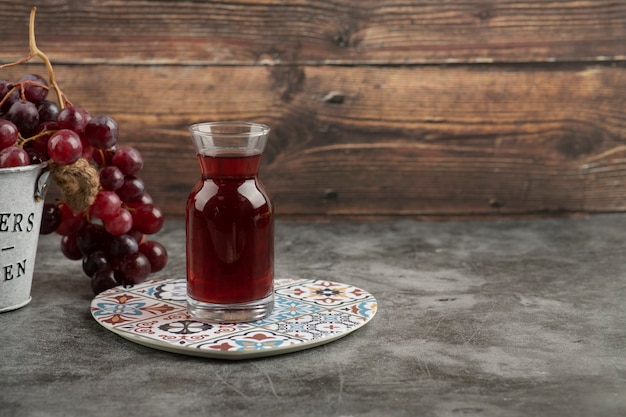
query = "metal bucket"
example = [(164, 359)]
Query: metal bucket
[(22, 192)]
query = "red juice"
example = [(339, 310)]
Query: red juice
[(230, 231)]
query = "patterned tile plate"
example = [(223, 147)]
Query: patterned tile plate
[(306, 313)]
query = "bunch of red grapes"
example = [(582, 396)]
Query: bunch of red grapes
[(110, 235)]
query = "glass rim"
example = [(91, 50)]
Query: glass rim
[(261, 129)]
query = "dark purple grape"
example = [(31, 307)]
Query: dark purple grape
[(122, 245), (134, 268), (103, 280), (92, 237), (43, 132), (95, 262), (35, 156), (33, 92), (104, 157), (102, 132), (5, 87), (50, 218), (69, 248), (48, 111), (25, 116), (132, 189), (137, 235), (111, 178)]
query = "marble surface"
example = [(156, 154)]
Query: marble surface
[(511, 318)]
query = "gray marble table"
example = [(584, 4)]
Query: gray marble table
[(512, 318)]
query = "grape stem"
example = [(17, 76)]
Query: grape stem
[(36, 52), (21, 141)]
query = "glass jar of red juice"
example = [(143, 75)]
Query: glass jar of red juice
[(229, 226)]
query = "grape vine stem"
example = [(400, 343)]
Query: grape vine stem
[(36, 52)]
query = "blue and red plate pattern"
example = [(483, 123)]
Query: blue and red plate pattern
[(306, 313)]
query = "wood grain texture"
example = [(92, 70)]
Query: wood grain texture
[(385, 141), (311, 32), (429, 109)]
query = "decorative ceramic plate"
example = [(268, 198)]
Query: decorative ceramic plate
[(306, 313)]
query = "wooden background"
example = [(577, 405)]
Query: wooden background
[(379, 108)]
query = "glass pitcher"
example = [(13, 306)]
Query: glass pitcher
[(229, 226)]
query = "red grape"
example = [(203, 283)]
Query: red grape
[(106, 205), (156, 254), (8, 133), (65, 147), (88, 152), (148, 219), (142, 201), (102, 131), (32, 91), (72, 118), (127, 159), (13, 157), (120, 224), (71, 221)]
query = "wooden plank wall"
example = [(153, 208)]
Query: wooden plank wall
[(379, 108)]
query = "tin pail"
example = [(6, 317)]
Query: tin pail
[(22, 192)]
